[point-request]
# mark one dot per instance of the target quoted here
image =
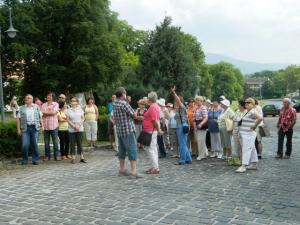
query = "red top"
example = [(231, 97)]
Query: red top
[(286, 118), (150, 116)]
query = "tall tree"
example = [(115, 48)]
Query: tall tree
[(65, 45), (171, 57)]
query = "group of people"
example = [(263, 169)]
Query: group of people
[(198, 129), (64, 123), (201, 129)]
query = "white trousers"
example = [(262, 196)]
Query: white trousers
[(201, 143), (152, 151), (249, 154), (91, 128)]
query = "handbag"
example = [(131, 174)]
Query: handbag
[(145, 138), (204, 126), (229, 124), (185, 126), (264, 131)]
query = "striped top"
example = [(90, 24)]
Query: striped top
[(248, 121)]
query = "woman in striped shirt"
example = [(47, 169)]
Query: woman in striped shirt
[(248, 125)]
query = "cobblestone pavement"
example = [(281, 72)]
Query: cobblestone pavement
[(206, 192)]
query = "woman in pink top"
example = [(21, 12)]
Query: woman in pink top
[(151, 125)]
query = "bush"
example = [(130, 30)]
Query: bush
[(10, 142), (103, 128)]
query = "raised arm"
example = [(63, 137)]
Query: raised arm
[(177, 99)]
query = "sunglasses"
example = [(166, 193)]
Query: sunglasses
[(248, 102)]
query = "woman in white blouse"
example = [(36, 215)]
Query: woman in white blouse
[(75, 117)]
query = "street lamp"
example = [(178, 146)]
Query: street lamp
[(11, 32)]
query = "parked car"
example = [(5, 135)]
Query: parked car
[(297, 107), (271, 110)]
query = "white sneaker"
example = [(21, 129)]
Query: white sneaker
[(220, 155), (241, 169), (199, 158), (252, 167)]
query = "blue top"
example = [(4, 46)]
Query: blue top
[(212, 116), (110, 108)]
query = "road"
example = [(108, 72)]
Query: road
[(206, 192)]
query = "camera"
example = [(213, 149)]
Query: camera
[(240, 123)]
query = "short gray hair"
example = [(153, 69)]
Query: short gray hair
[(152, 96)]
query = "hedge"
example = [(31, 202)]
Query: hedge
[(10, 142)]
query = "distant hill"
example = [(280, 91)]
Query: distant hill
[(245, 66)]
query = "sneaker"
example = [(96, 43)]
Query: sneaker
[(252, 167), (199, 158), (241, 169), (35, 163), (212, 155), (220, 156), (278, 156), (286, 157)]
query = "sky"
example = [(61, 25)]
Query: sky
[(265, 31)]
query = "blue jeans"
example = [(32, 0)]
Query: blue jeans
[(185, 155), (54, 137), (128, 144), (29, 138)]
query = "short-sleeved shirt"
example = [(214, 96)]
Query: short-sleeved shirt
[(75, 116), (227, 114), (152, 114), (286, 118), (181, 116), (123, 117), (200, 113), (172, 122), (50, 122), (248, 121), (63, 125)]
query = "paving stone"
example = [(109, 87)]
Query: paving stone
[(206, 192)]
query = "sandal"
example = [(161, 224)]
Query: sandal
[(154, 171)]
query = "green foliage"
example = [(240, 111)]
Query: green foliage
[(10, 142), (227, 80), (64, 45), (171, 57), (103, 124)]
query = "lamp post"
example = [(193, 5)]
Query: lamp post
[(11, 32)]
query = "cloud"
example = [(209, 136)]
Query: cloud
[(256, 30)]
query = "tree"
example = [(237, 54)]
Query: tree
[(171, 57), (65, 45), (227, 80)]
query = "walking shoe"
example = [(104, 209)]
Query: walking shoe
[(199, 158), (124, 173), (241, 169), (252, 167), (220, 156), (287, 157), (35, 163), (135, 176), (278, 156), (83, 161), (212, 155), (178, 163)]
